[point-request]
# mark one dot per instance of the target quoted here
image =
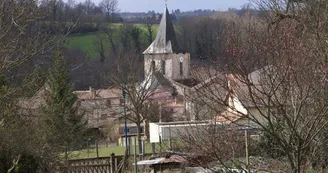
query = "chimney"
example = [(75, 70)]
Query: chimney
[(92, 93)]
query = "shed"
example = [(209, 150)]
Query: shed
[(172, 130)]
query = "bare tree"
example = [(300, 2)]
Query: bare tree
[(109, 8), (139, 90), (108, 30), (211, 143), (279, 78), (22, 44), (136, 39), (89, 5), (150, 30)]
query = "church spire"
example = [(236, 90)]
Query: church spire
[(165, 41)]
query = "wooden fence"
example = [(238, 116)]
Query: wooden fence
[(93, 165)]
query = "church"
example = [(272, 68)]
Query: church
[(165, 54), (167, 66)]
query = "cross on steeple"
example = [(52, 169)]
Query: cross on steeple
[(166, 3)]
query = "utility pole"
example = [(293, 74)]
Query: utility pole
[(125, 126)]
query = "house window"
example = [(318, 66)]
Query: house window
[(181, 68), (153, 66), (109, 102)]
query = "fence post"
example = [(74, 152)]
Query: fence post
[(135, 156), (143, 148), (112, 163), (97, 149), (153, 148)]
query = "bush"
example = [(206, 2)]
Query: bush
[(267, 146)]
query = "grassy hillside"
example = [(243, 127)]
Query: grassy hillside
[(84, 42), (87, 43)]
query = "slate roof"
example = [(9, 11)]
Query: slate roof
[(165, 41)]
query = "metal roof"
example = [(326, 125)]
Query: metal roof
[(165, 41), (162, 160)]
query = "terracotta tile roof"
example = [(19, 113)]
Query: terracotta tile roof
[(165, 98), (228, 117)]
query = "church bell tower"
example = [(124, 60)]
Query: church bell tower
[(165, 55)]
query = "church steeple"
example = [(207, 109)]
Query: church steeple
[(165, 41)]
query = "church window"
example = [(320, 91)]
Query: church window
[(153, 65), (163, 67), (181, 68)]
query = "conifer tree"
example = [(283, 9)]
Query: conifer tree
[(64, 124)]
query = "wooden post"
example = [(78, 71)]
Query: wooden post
[(130, 145), (97, 149), (160, 144), (66, 155), (143, 148), (153, 148), (88, 147), (170, 141), (67, 166), (135, 156), (160, 113), (246, 148), (112, 163)]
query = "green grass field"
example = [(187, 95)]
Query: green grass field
[(87, 43), (118, 150)]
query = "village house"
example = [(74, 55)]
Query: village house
[(100, 107)]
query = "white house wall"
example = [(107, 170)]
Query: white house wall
[(159, 132)]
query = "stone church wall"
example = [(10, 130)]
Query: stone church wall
[(172, 64)]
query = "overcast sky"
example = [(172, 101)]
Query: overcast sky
[(183, 5)]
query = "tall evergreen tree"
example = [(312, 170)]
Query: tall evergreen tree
[(64, 124)]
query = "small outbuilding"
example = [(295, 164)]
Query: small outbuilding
[(173, 163)]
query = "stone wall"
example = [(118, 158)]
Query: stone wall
[(100, 112), (172, 65)]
